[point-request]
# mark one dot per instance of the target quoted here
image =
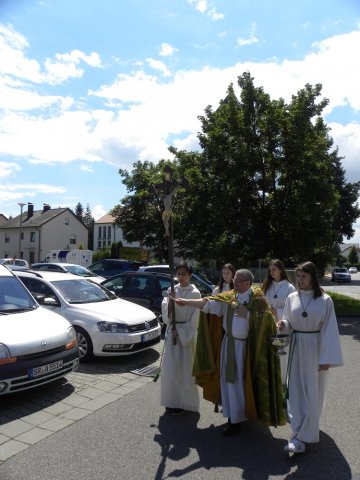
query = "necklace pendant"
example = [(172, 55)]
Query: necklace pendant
[(304, 314), (275, 296)]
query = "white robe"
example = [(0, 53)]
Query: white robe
[(307, 351), (232, 394), (281, 290), (178, 389)]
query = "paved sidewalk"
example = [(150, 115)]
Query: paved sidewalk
[(30, 416)]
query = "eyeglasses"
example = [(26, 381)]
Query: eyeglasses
[(242, 280)]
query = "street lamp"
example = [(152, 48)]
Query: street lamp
[(21, 205)]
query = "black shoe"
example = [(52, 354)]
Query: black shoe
[(174, 411), (231, 429)]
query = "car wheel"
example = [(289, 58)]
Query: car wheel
[(84, 344)]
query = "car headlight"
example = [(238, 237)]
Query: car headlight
[(113, 327), (5, 356), (71, 339)]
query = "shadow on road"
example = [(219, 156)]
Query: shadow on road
[(254, 451), (349, 326)]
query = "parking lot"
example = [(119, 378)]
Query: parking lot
[(30, 416)]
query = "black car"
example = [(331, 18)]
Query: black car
[(145, 289), (109, 267)]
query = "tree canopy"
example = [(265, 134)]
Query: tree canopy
[(267, 183)]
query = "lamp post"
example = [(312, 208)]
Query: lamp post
[(21, 205), (166, 189)]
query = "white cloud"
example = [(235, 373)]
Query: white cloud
[(250, 39), (206, 8), (158, 65), (8, 168), (86, 168), (98, 211), (143, 112), (17, 192), (166, 50), (15, 64)]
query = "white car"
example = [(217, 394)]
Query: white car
[(204, 287), (352, 270), (67, 268), (36, 346), (9, 262), (105, 324)]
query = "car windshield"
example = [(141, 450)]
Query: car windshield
[(82, 291), (14, 296), (78, 270)]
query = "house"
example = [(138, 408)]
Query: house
[(106, 233), (34, 233), (345, 248)]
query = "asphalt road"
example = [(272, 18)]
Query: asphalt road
[(351, 289), (132, 438)]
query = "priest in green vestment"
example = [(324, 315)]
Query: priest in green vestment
[(238, 368)]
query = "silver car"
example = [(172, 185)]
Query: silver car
[(36, 346), (105, 325)]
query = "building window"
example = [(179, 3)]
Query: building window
[(99, 232), (99, 244), (109, 233), (104, 232), (72, 239), (32, 236), (7, 238), (67, 221)]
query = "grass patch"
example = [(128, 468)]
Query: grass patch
[(345, 305)]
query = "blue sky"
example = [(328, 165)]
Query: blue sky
[(88, 87)]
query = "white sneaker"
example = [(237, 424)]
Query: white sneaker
[(295, 446)]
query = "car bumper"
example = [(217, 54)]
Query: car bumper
[(114, 344), (24, 374)]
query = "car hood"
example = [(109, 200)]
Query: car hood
[(116, 310), (23, 333)]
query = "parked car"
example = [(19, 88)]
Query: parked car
[(340, 274), (9, 262), (67, 268), (204, 287), (352, 270), (144, 288), (36, 346), (108, 267), (105, 325)]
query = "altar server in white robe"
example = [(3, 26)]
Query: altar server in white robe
[(277, 287), (309, 316), (178, 389)]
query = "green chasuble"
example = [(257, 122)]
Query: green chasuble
[(263, 386)]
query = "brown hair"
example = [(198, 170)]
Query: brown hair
[(268, 279), (309, 267), (230, 267)]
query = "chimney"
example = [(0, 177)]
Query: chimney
[(46, 207), (30, 210)]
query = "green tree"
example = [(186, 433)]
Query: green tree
[(353, 257), (79, 211), (267, 183), (89, 222)]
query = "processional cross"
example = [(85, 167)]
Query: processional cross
[(166, 190)]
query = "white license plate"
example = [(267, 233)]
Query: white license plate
[(150, 335), (44, 369)]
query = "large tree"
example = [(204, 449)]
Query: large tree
[(267, 183)]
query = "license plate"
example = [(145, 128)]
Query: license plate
[(149, 336), (44, 369)]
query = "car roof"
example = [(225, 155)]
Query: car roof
[(51, 276), (5, 272), (62, 264)]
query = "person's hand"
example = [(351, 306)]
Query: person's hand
[(174, 333), (280, 325), (324, 367), (180, 301)]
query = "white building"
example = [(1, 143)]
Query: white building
[(106, 233), (33, 234)]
